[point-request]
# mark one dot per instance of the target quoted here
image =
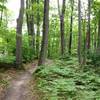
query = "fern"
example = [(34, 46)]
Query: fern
[(62, 81)]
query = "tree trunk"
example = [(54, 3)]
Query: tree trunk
[(71, 26), (44, 46), (88, 26), (19, 35), (62, 28), (38, 30), (61, 15), (2, 10), (30, 25), (98, 46), (95, 36), (79, 31)]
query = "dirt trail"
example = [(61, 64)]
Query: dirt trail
[(17, 89)]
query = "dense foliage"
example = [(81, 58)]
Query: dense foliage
[(64, 80), (8, 35)]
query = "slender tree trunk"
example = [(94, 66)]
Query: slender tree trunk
[(88, 26), (1, 17), (71, 27), (95, 36), (98, 45), (84, 31), (19, 35), (30, 25), (84, 41), (44, 46), (62, 28), (79, 31), (38, 31), (2, 10), (61, 15)]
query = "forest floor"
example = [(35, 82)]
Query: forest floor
[(14, 84), (57, 80), (66, 80)]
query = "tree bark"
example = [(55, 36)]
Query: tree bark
[(2, 11), (98, 46), (88, 26), (71, 26), (44, 45), (30, 24), (61, 15), (79, 31), (38, 31), (19, 35)]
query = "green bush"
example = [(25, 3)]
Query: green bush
[(7, 59), (94, 58), (27, 52), (8, 46)]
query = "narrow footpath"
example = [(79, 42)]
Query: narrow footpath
[(17, 89)]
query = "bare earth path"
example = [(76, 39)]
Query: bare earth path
[(17, 89)]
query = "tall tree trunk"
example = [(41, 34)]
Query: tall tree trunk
[(98, 45), (79, 31), (62, 28), (71, 26), (2, 10), (30, 24), (84, 38), (38, 30), (95, 36), (19, 35), (61, 15), (88, 26), (44, 46)]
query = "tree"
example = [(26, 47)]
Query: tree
[(30, 24), (71, 26), (61, 16), (44, 45), (98, 46), (38, 30), (96, 22), (79, 31), (88, 26), (2, 9), (19, 34)]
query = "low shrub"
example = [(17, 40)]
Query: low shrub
[(58, 82)]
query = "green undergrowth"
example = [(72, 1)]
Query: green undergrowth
[(65, 80), (7, 59)]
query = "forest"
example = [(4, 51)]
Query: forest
[(52, 52)]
